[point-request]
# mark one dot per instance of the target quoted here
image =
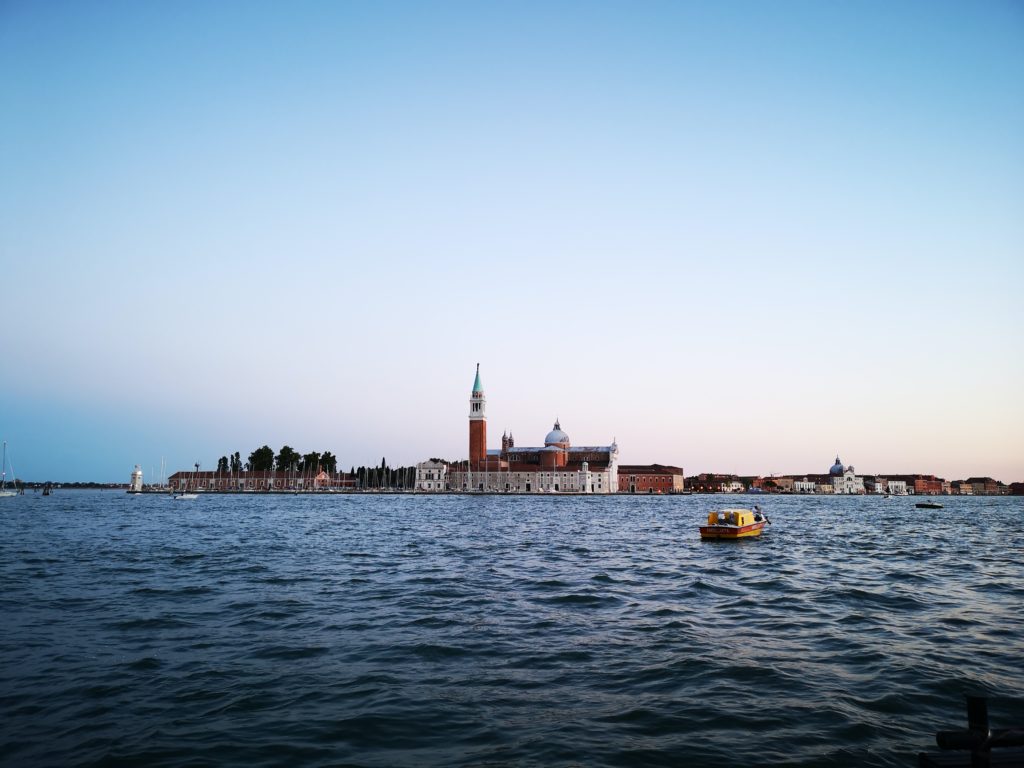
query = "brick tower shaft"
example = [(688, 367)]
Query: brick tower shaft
[(477, 425)]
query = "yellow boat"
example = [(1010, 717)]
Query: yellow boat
[(734, 524)]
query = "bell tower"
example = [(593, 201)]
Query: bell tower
[(477, 424)]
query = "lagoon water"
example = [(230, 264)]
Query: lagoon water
[(464, 631)]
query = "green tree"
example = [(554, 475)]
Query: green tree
[(262, 459), (236, 462), (222, 464), (287, 457), (329, 462), (310, 462)]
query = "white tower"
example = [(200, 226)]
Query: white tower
[(136, 486)]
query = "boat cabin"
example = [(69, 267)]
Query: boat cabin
[(738, 517)]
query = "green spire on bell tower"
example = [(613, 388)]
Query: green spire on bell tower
[(477, 386)]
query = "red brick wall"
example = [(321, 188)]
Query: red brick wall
[(645, 483), (477, 444)]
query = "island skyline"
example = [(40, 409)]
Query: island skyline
[(735, 238)]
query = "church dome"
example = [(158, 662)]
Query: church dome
[(557, 437), (837, 468)]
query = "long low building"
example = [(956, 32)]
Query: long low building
[(650, 478), (260, 481)]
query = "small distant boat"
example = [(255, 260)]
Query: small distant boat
[(734, 524), (928, 505), (4, 493), (187, 494)]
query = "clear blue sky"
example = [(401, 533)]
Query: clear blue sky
[(735, 236)]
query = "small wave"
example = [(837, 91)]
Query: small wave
[(284, 580), (581, 599), (272, 615), (434, 651), (907, 576), (430, 621), (887, 704), (700, 585), (189, 591), (288, 652), (551, 583), (156, 622), (254, 568), (664, 612), (887, 599), (444, 594), (145, 663), (187, 559)]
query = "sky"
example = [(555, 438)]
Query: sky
[(734, 237)]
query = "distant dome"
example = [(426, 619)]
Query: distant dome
[(837, 468), (556, 437)]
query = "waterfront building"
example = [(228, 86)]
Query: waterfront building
[(261, 481), (804, 486), (896, 487), (844, 479), (927, 484), (985, 486), (784, 484), (773, 484), (712, 482), (650, 478), (921, 484), (556, 467), (431, 476)]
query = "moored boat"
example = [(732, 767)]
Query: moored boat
[(3, 477), (734, 524)]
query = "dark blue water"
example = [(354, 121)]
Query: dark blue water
[(449, 631)]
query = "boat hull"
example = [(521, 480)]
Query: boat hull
[(731, 531)]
